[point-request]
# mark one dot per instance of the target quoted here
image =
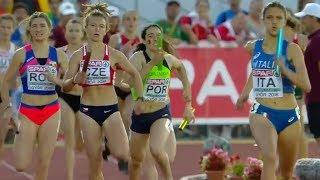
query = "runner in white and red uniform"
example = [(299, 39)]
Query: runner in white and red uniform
[(125, 42)]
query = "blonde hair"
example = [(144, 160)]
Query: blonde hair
[(8, 17), (77, 21), (27, 22), (98, 9)]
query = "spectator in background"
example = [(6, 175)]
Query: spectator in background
[(229, 14), (197, 25), (54, 6), (114, 21), (234, 30), (67, 11), (20, 12), (311, 20), (254, 21), (171, 29)]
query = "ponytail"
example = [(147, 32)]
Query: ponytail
[(140, 47)]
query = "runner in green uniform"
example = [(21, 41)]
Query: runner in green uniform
[(153, 128)]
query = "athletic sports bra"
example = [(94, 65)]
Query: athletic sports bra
[(156, 83), (5, 58), (267, 82), (99, 72), (33, 69)]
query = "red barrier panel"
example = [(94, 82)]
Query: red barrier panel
[(217, 76)]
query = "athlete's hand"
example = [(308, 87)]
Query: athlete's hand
[(50, 77), (128, 47), (280, 63), (188, 114), (138, 107), (80, 78), (158, 57), (240, 102), (6, 112)]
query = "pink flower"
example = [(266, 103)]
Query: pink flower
[(254, 168), (214, 160)]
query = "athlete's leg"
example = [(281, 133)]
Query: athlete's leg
[(117, 137), (24, 143), (68, 128), (47, 139), (138, 143), (159, 134), (171, 145), (149, 165), (265, 136), (4, 123), (92, 135), (78, 134), (288, 148)]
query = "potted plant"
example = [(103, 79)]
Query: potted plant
[(236, 168), (214, 164), (254, 169)]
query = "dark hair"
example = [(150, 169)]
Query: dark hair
[(99, 9), (166, 46), (21, 5), (274, 4), (171, 3)]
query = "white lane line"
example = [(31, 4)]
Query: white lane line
[(13, 169)]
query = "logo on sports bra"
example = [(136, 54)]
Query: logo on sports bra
[(36, 77), (156, 89), (98, 72), (256, 55)]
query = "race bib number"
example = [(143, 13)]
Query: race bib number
[(267, 84), (4, 64), (98, 72), (156, 89), (37, 80)]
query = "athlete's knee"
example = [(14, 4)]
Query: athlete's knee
[(122, 154), (43, 163), (21, 167), (269, 157), (171, 158), (156, 151), (286, 175), (135, 163)]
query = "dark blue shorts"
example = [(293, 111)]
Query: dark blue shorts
[(142, 123), (280, 119), (99, 113)]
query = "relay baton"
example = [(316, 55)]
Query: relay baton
[(86, 62), (185, 122), (279, 47)]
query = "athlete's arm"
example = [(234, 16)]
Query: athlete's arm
[(182, 75), (122, 60), (113, 41), (73, 68), (300, 77), (63, 62), (248, 86), (10, 76), (157, 58)]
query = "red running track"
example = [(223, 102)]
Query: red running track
[(186, 163)]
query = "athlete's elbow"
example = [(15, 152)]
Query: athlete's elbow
[(307, 88)]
